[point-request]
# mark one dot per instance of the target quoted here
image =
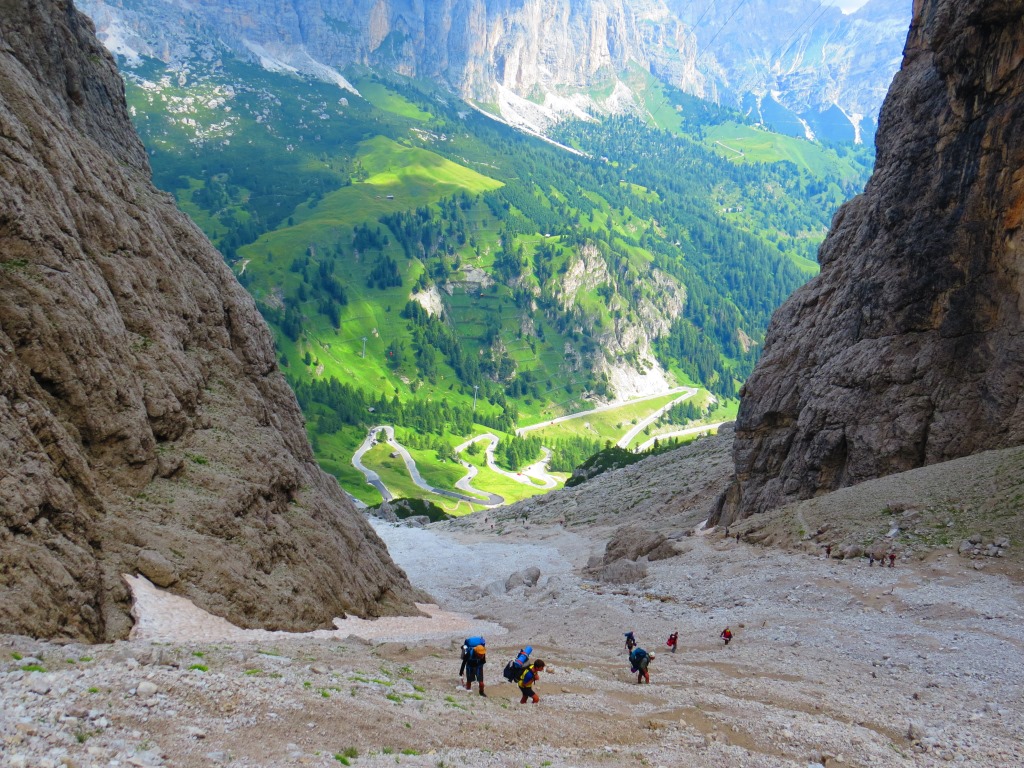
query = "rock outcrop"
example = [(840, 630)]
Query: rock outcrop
[(908, 348), (144, 426)]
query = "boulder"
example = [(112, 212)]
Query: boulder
[(496, 588), (852, 551), (385, 513), (157, 568), (633, 542), (623, 571)]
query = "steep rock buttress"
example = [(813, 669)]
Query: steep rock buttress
[(143, 423), (908, 348)]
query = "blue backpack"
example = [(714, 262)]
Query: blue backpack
[(635, 657), (469, 644), (515, 667)]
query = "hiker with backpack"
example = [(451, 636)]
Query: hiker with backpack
[(726, 635), (639, 659), (630, 641), (474, 656), (527, 679), (515, 667)]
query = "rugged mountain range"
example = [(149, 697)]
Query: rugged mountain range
[(144, 426), (907, 349), (801, 66)]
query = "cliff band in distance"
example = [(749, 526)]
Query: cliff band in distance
[(143, 423), (908, 348)]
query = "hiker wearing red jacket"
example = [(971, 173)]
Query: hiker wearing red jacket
[(673, 641), (726, 635)]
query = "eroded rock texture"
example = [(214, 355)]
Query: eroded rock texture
[(143, 423), (908, 348)]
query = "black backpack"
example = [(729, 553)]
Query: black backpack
[(516, 666)]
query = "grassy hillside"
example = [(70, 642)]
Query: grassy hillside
[(426, 267)]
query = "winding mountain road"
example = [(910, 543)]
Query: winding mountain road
[(491, 500), (536, 471), (535, 475), (698, 430), (688, 391)]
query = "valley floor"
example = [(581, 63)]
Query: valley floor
[(833, 663)]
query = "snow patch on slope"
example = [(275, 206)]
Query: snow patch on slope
[(525, 116), (808, 133), (115, 39), (297, 61)]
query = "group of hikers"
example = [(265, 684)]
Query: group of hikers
[(640, 659), (525, 673), (519, 670)]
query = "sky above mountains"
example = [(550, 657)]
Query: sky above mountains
[(847, 6)]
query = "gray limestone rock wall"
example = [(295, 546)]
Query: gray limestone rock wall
[(142, 416), (908, 348)]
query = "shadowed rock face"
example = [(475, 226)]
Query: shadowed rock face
[(143, 423), (908, 348)]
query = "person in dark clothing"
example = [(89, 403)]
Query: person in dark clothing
[(528, 680), (475, 661), (630, 641)]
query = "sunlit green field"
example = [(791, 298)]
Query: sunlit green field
[(761, 146), (604, 425)]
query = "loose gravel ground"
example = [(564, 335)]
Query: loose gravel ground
[(834, 662)]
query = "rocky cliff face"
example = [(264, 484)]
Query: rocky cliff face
[(470, 44), (537, 58), (143, 424), (908, 349)]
